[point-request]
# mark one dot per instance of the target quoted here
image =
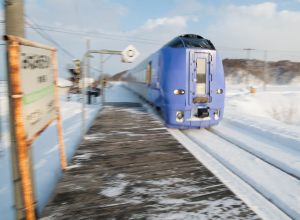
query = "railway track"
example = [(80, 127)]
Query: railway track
[(277, 155), (264, 173), (262, 168)]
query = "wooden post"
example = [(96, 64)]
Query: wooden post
[(61, 144), (21, 143), (14, 25)]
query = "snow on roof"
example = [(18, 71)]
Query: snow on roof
[(64, 82), (87, 81)]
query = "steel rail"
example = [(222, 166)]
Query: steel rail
[(254, 154), (236, 173)]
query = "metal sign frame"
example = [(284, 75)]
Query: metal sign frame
[(22, 141)]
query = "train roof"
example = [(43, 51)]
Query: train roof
[(190, 41)]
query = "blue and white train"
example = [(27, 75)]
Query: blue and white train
[(184, 80)]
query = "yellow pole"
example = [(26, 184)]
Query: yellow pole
[(61, 144)]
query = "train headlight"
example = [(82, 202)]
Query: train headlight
[(219, 91), (179, 116), (179, 91), (217, 114)]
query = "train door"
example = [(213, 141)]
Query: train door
[(149, 73), (199, 83)]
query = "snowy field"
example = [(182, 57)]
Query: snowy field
[(275, 103), (273, 112)]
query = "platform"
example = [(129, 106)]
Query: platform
[(130, 167)]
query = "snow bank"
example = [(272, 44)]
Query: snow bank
[(243, 77), (276, 103)]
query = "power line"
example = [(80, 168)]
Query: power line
[(44, 35), (141, 40), (138, 40), (98, 35), (47, 37)]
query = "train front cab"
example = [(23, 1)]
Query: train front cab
[(202, 88)]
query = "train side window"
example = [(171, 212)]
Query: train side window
[(149, 72)]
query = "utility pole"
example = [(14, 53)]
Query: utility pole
[(14, 18), (101, 65), (85, 58), (14, 25), (128, 55), (83, 94), (248, 53), (102, 79), (265, 68), (88, 60), (85, 75)]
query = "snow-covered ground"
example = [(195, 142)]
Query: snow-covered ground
[(46, 162), (273, 112), (258, 141), (275, 103), (256, 148), (45, 148)]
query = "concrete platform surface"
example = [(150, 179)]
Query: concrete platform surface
[(130, 167)]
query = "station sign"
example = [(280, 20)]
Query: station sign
[(38, 88), (34, 102)]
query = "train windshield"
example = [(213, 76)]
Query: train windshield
[(176, 43), (191, 41), (198, 43)]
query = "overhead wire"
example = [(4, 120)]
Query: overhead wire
[(42, 29), (47, 37), (110, 36), (134, 39), (42, 34), (98, 35)]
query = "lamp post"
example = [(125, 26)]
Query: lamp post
[(102, 61), (127, 56)]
